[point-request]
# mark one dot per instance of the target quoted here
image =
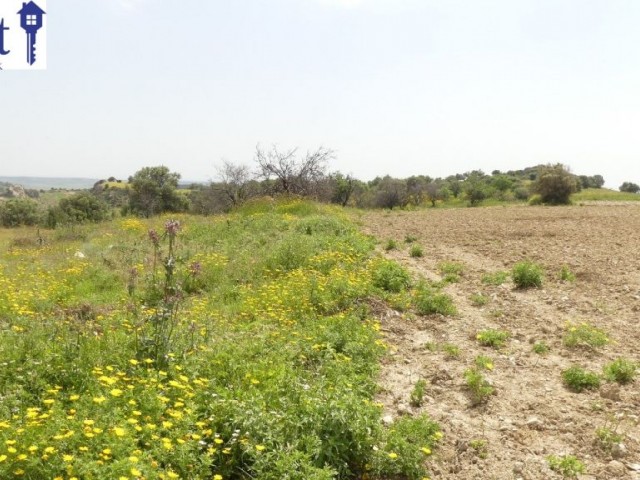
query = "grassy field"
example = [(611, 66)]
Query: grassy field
[(239, 346)]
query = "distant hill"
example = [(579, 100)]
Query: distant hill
[(45, 183)]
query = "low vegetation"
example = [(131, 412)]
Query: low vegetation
[(187, 347), (527, 275), (567, 465), (578, 379)]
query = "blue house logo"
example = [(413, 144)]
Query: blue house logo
[(23, 43)]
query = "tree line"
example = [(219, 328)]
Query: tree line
[(275, 172)]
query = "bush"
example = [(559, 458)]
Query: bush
[(19, 211), (555, 184), (416, 251), (79, 208), (567, 466), (578, 379), (492, 338), (585, 335), (428, 302), (620, 370), (391, 277), (527, 274)]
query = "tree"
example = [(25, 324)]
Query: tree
[(475, 188), (630, 187), (233, 182), (436, 191), (293, 175), (154, 191), (343, 187), (555, 184), (390, 193)]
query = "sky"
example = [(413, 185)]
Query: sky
[(399, 87)]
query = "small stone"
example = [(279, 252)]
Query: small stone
[(534, 423), (619, 450), (616, 468), (387, 419), (518, 467)]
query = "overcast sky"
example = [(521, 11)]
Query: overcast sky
[(397, 87)]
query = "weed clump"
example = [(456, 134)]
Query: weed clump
[(541, 348), (567, 465), (584, 335), (620, 370), (429, 302), (492, 338), (577, 379), (527, 275), (479, 388), (416, 251), (496, 278), (390, 245), (451, 271), (391, 276), (417, 394)]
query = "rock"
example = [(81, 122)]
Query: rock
[(403, 409), (79, 254), (619, 450), (535, 423), (518, 467), (616, 468), (387, 419)]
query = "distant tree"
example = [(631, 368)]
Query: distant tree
[(293, 174), (233, 182), (417, 188), (454, 185), (342, 188), (475, 188), (595, 181), (19, 211), (436, 191), (391, 193), (630, 187), (555, 184), (154, 191), (502, 184)]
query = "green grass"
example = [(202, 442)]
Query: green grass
[(495, 278), (429, 301), (270, 367), (492, 338), (584, 335), (568, 466), (480, 390), (620, 370), (604, 194), (527, 275)]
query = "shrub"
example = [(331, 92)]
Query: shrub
[(18, 211), (578, 379), (406, 445), (584, 335), (391, 276), (541, 348), (478, 386), (483, 362), (82, 207), (620, 370), (555, 184), (410, 238), (492, 338), (390, 245), (416, 251), (567, 465), (630, 187), (428, 302), (527, 274), (451, 350)]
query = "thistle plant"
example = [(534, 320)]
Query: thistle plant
[(162, 299)]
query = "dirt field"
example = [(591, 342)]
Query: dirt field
[(532, 414)]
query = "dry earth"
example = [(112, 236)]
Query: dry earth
[(532, 415)]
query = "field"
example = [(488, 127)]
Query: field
[(281, 341), (585, 314)]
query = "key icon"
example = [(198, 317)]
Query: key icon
[(31, 21)]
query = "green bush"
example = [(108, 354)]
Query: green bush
[(478, 386), (416, 251), (417, 394), (428, 302), (492, 338), (584, 335), (82, 207), (19, 211), (567, 465), (391, 276), (555, 184), (527, 274), (578, 379), (620, 370)]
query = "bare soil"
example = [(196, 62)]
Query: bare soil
[(532, 414)]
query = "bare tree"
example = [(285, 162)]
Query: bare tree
[(233, 181), (293, 175)]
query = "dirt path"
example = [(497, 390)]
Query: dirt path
[(532, 414)]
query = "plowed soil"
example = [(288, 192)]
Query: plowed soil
[(532, 414)]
